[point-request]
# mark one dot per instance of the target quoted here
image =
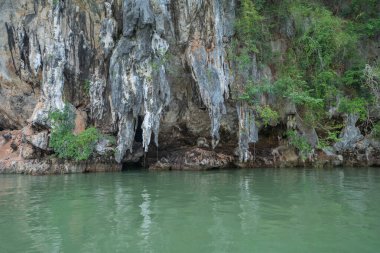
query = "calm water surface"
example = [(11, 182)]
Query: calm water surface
[(225, 211)]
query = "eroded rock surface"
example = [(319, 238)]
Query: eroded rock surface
[(154, 73)]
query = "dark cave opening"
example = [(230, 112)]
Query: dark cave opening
[(130, 166), (139, 131)]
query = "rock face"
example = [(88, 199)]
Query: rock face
[(54, 167), (123, 49), (141, 70), (129, 63), (139, 85), (350, 135)]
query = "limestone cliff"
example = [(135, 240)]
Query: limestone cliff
[(154, 73)]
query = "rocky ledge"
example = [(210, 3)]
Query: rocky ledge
[(19, 156), (55, 167)]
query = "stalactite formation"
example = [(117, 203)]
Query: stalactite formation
[(155, 72)]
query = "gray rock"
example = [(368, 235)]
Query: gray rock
[(103, 146), (108, 30), (248, 132), (329, 151), (14, 146), (139, 86), (350, 135), (206, 55), (60, 45), (362, 144), (374, 143), (307, 131), (28, 152), (7, 136), (202, 142), (40, 140)]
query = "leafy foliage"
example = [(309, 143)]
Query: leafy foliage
[(322, 38), (86, 87), (248, 26), (253, 91), (376, 131), (264, 112), (331, 138), (320, 62), (66, 144), (372, 80), (267, 115), (356, 106), (300, 143), (365, 14), (251, 36)]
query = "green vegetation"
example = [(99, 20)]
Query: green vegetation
[(356, 106), (160, 61), (248, 27), (372, 80), (267, 115), (376, 131), (300, 143), (65, 143), (253, 91), (365, 16), (318, 66), (86, 87), (330, 139)]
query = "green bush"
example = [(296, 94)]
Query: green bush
[(376, 131), (86, 87), (65, 143), (331, 138), (253, 91), (295, 89), (320, 60), (267, 115), (323, 39), (356, 106), (252, 94), (251, 36), (248, 26), (365, 16), (300, 143)]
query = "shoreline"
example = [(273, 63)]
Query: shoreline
[(54, 166)]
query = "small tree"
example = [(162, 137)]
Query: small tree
[(372, 80), (65, 143)]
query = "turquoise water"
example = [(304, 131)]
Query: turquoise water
[(284, 210)]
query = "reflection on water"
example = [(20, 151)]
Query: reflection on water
[(227, 211), (146, 223)]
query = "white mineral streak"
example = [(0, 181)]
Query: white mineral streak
[(108, 30), (54, 63), (97, 88), (209, 67), (220, 55), (248, 132), (137, 73), (125, 136), (157, 94), (98, 83), (35, 55), (159, 45)]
